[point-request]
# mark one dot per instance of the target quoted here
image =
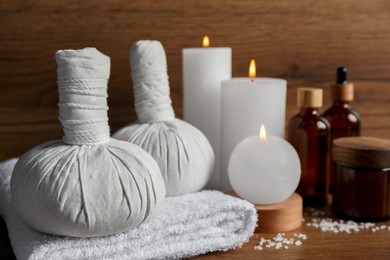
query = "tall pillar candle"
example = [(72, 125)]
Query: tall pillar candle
[(247, 103), (203, 70)]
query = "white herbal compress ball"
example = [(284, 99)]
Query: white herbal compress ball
[(86, 184), (183, 153)]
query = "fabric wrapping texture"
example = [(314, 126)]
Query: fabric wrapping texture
[(183, 153), (184, 226), (86, 184)]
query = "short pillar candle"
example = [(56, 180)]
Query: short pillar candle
[(246, 102)]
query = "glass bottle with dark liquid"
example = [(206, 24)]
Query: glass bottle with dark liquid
[(309, 133), (343, 119)]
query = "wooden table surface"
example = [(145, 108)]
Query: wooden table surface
[(318, 245), (364, 244)]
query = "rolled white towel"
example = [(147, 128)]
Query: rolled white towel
[(185, 226)]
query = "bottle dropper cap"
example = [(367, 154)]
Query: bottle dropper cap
[(310, 97), (342, 90), (341, 75)]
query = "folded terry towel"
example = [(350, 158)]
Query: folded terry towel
[(184, 226)]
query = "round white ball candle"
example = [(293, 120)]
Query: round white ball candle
[(264, 170), (203, 70), (245, 103)]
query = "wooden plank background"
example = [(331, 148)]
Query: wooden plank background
[(302, 41)]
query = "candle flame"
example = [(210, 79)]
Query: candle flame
[(252, 69), (206, 41), (263, 135)]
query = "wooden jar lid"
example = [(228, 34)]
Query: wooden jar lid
[(342, 92), (362, 152), (309, 97)]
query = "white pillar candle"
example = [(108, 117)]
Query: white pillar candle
[(264, 169), (203, 70), (247, 103)]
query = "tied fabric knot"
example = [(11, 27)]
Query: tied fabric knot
[(151, 86), (84, 123)]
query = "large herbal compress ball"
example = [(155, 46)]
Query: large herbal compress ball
[(183, 153), (86, 184)]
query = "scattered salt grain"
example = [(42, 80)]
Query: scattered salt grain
[(327, 224), (280, 241), (298, 243), (320, 220), (258, 247)]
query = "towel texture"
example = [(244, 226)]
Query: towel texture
[(184, 226)]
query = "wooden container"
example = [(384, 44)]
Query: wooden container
[(362, 178)]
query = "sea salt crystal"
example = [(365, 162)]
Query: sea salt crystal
[(327, 224), (281, 241), (279, 237)]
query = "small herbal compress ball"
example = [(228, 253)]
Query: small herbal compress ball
[(183, 153), (86, 184)]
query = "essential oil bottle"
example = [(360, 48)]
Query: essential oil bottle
[(309, 133), (343, 119)]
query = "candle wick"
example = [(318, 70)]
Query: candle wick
[(252, 80)]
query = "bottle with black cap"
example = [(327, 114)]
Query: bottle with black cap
[(309, 133), (343, 119)]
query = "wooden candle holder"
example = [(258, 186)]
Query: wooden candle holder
[(279, 217)]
